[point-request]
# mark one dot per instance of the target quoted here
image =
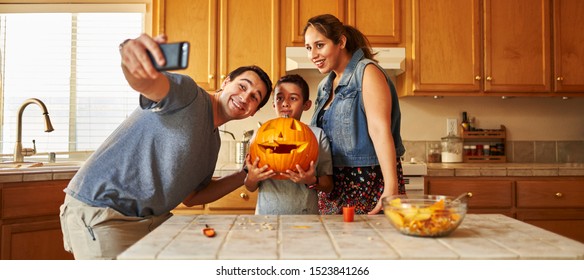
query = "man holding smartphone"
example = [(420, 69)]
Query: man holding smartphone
[(164, 153)]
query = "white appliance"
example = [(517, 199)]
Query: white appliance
[(414, 173), (393, 60)]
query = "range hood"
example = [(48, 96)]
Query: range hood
[(393, 60)]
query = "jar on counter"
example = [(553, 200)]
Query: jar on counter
[(493, 151), (467, 151), (486, 150), (473, 150), (480, 151), (501, 149), (451, 149), (434, 155)]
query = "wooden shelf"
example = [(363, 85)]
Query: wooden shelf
[(485, 135), (485, 159)]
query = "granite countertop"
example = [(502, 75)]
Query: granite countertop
[(480, 236), (505, 169)]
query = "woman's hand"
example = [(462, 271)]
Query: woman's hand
[(387, 191), (379, 205)]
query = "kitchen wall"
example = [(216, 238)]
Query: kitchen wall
[(531, 122)]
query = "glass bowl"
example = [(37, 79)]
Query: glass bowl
[(424, 215)]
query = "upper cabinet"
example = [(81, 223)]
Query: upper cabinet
[(446, 46), (517, 46), (464, 48), (568, 45), (379, 20), (224, 34)]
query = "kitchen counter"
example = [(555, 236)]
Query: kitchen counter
[(485, 236), (505, 169), (66, 170), (28, 172)]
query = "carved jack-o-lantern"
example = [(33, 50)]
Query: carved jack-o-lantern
[(282, 143)]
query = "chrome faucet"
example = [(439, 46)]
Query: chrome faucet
[(18, 156)]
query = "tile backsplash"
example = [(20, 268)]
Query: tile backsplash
[(516, 151)]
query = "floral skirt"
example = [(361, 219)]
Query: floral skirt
[(356, 186)]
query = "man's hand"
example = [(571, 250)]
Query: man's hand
[(135, 59), (138, 69)]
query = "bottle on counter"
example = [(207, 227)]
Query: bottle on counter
[(465, 122), (486, 150)]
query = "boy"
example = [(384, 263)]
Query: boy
[(298, 194)]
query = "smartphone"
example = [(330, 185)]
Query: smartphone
[(176, 55)]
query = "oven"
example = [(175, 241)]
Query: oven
[(414, 173)]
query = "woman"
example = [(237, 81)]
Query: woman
[(358, 109)]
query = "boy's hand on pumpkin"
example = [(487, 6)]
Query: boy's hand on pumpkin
[(302, 176), (255, 173)]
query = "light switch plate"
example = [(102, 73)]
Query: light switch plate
[(451, 126)]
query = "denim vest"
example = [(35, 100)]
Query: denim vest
[(345, 122)]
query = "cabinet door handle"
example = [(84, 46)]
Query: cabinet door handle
[(469, 194), (223, 77), (211, 76), (560, 78), (489, 78), (478, 78), (559, 194), (244, 195)]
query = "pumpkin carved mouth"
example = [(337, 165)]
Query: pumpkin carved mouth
[(279, 145), (281, 148)]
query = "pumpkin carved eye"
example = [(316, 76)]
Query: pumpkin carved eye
[(282, 143)]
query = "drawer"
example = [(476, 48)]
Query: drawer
[(550, 194), (240, 199), (32, 199), (485, 193)]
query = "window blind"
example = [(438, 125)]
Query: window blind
[(70, 61)]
